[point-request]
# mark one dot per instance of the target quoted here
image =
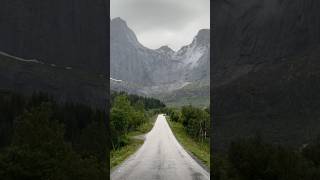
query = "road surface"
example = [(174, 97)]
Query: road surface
[(161, 157)]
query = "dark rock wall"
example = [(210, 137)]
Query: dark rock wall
[(255, 31), (264, 71), (63, 32)]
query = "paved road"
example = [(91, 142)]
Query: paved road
[(161, 157)]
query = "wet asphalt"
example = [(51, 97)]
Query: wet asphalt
[(161, 157)]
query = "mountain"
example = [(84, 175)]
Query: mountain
[(66, 33), (196, 57), (65, 84), (132, 62), (165, 50), (57, 47), (265, 71), (160, 72)]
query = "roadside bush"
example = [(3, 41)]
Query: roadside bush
[(196, 121), (175, 116)]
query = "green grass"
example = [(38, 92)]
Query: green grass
[(198, 149), (119, 155)]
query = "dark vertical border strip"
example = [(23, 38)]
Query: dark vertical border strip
[(107, 108), (211, 89)]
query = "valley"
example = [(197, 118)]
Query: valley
[(161, 73)]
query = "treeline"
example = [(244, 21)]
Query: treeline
[(195, 120), (43, 139), (128, 113), (253, 158), (148, 102)]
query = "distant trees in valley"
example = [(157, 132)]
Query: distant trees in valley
[(148, 102)]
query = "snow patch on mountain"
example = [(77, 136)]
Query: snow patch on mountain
[(190, 55), (117, 80)]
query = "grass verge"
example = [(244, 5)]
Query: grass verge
[(119, 155), (198, 149)]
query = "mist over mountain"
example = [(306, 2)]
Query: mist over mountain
[(265, 73), (156, 72)]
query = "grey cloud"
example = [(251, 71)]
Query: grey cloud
[(167, 16)]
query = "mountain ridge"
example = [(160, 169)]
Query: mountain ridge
[(157, 71)]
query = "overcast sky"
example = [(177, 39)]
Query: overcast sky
[(163, 22)]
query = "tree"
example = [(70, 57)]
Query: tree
[(38, 151), (255, 159), (94, 141), (120, 119), (175, 116)]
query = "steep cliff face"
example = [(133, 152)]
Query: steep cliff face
[(132, 62), (197, 60), (67, 33), (265, 69)]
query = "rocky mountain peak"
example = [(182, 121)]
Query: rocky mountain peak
[(118, 21), (203, 37), (122, 33), (165, 49)]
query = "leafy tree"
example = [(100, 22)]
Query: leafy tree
[(175, 116), (196, 121), (120, 119)]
